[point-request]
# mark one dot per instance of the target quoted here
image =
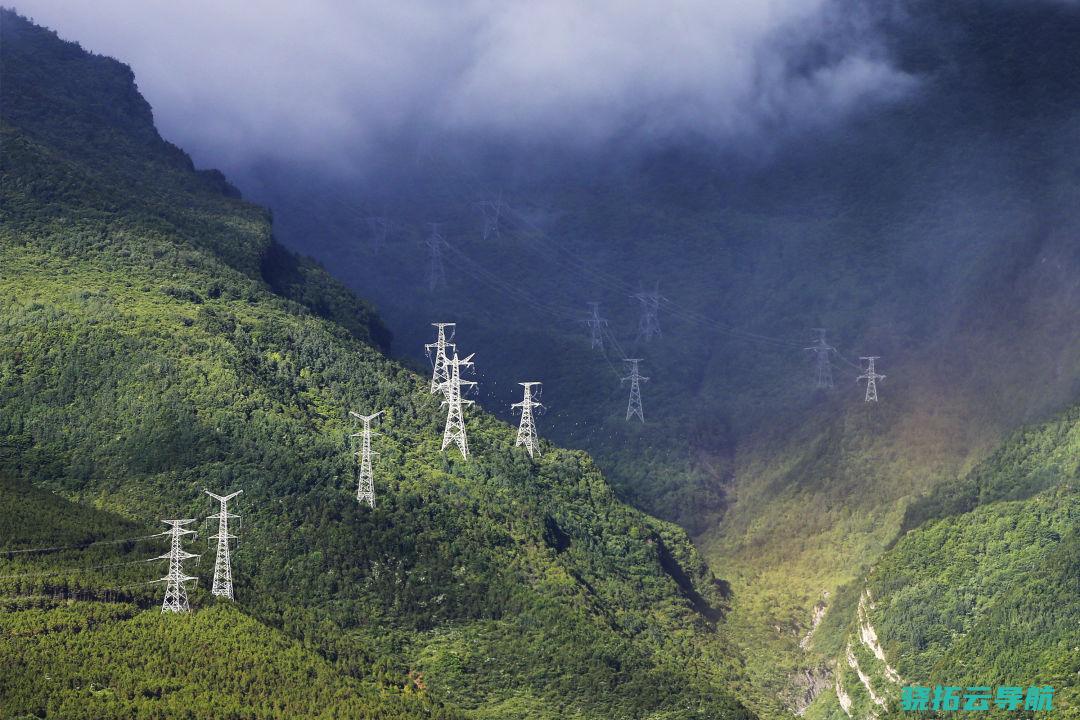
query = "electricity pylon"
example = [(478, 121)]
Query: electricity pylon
[(455, 417), (633, 407), (176, 599), (436, 271), (821, 350), (526, 435), (380, 229), (365, 484), (492, 210), (596, 325), (649, 324), (440, 374), (223, 562), (871, 377)]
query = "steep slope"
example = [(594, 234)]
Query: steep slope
[(939, 233), (83, 114), (155, 341), (983, 592), (115, 660), (81, 643)]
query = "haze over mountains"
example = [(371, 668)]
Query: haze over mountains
[(904, 174), (157, 341), (933, 223), (343, 84)]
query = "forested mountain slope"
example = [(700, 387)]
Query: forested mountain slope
[(154, 341), (79, 643), (938, 232), (985, 591)]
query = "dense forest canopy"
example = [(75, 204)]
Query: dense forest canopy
[(751, 545), (157, 341)]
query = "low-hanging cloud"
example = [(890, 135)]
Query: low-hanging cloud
[(234, 82)]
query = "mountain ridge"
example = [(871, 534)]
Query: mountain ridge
[(146, 356)]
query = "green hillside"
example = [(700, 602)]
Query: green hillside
[(939, 233), (790, 493), (155, 341), (983, 592), (90, 660), (90, 644)]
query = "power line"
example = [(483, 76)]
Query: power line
[(454, 433), (176, 599), (549, 247), (379, 232), (596, 325), (80, 546), (365, 484), (618, 350), (526, 435), (223, 585), (128, 587), (492, 210), (440, 373), (571, 259), (534, 236), (649, 324), (871, 377), (856, 366), (93, 588), (436, 271), (633, 406), (84, 568), (478, 272), (615, 344), (821, 349)]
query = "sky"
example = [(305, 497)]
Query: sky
[(235, 82)]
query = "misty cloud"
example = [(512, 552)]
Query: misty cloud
[(232, 82)]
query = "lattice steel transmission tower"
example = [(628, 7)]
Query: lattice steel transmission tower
[(596, 325), (440, 372), (633, 406), (649, 324), (871, 377), (436, 272), (379, 228), (526, 435), (492, 210), (176, 599), (365, 484), (455, 417), (823, 371), (223, 562)]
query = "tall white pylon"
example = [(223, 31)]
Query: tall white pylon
[(440, 374), (380, 229), (596, 325), (176, 599), (365, 484), (633, 407), (649, 324), (492, 210), (871, 377), (436, 271), (455, 417), (526, 435), (821, 349), (223, 562)]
